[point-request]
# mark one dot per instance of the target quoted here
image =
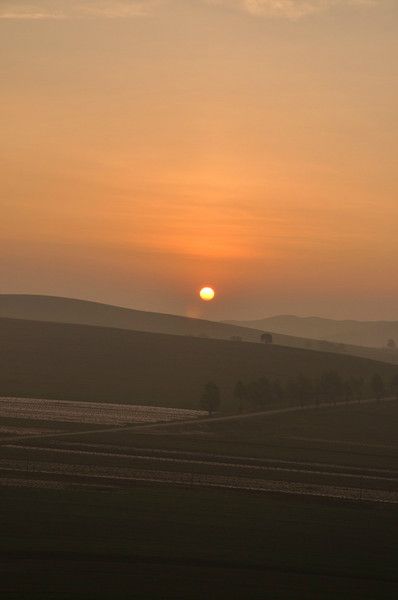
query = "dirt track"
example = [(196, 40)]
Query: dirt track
[(179, 423)]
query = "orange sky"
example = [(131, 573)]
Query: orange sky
[(152, 147)]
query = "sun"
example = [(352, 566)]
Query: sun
[(207, 293)]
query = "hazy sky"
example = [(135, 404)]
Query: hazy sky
[(150, 147)]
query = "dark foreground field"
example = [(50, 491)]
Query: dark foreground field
[(154, 542), (294, 505)]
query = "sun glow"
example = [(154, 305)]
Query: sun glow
[(207, 293)]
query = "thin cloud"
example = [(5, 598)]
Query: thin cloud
[(291, 9), (65, 9)]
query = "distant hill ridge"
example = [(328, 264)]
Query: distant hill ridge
[(83, 312), (361, 333)]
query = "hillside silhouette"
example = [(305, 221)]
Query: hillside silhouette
[(69, 310), (89, 363), (73, 311), (374, 334)]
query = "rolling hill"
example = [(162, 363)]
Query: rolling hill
[(361, 333), (80, 362), (68, 310)]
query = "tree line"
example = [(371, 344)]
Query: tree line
[(329, 388)]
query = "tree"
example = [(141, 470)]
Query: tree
[(394, 385), (331, 386), (305, 390), (210, 400), (348, 390), (357, 385), (391, 345), (240, 395), (317, 392), (267, 338), (254, 395), (299, 389), (291, 390), (265, 391), (278, 391), (377, 386)]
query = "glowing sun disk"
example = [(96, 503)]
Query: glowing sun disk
[(207, 293)]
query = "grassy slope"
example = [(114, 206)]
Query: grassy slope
[(180, 543), (68, 310), (78, 362)]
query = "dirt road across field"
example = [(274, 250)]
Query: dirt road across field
[(160, 425)]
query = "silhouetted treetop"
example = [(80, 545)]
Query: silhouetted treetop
[(210, 399)]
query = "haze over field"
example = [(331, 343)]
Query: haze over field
[(69, 310), (151, 147), (361, 333), (77, 362), (198, 299)]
